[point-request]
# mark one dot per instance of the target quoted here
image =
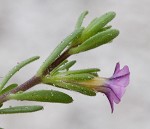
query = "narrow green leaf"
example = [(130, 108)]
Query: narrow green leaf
[(106, 28), (43, 96), (58, 50), (16, 69), (92, 23), (20, 109), (56, 68), (94, 74), (80, 19), (67, 65), (8, 88), (91, 70), (62, 67), (75, 87), (95, 41), (97, 25), (78, 77)]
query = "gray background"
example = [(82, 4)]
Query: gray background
[(35, 27)]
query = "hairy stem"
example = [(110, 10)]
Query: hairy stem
[(34, 80), (60, 59), (23, 87)]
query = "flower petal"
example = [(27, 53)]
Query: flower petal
[(117, 68), (122, 72), (112, 97), (117, 84), (111, 102)]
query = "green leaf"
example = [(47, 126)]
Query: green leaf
[(75, 87), (58, 50), (8, 88), (20, 109), (67, 65), (55, 70), (77, 77), (96, 25), (91, 70), (106, 28), (93, 22), (43, 96), (16, 69), (59, 68), (96, 41), (80, 19)]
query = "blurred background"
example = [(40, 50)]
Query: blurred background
[(35, 27)]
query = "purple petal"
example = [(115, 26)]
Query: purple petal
[(111, 102), (117, 84), (122, 72), (112, 98), (117, 68), (110, 95)]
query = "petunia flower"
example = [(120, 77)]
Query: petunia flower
[(87, 81), (113, 87)]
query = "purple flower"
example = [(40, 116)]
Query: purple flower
[(114, 87)]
